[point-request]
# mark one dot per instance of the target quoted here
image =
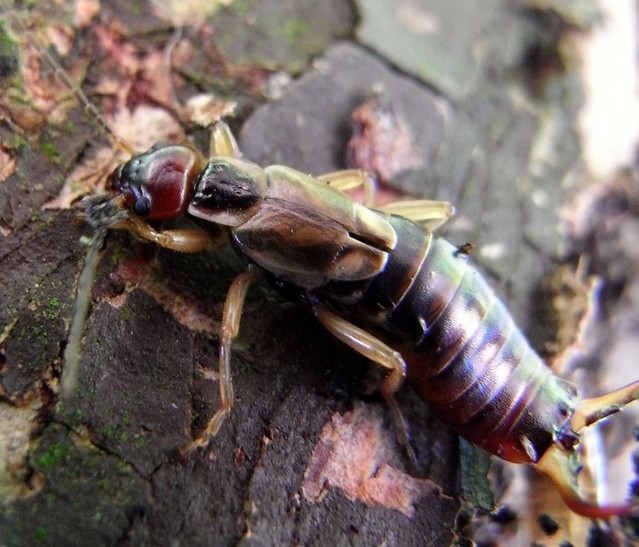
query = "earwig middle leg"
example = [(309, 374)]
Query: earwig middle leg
[(186, 240), (348, 179), (377, 351), (230, 327)]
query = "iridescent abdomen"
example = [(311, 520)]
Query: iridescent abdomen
[(466, 356)]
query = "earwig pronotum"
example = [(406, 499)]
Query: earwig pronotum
[(377, 279)]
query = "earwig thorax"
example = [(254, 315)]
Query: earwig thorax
[(228, 191)]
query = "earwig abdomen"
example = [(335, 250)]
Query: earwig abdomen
[(465, 354)]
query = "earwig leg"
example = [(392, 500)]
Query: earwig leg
[(375, 350), (589, 411), (230, 327), (223, 142), (348, 179), (183, 240), (430, 214)]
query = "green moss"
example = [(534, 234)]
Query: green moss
[(123, 469), (51, 151), (241, 8), (53, 454), (5, 38), (126, 312), (41, 532), (120, 254), (76, 418), (19, 142), (294, 30), (40, 334), (53, 309)]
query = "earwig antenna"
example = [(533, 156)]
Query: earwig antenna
[(73, 350), (65, 79), (102, 211)]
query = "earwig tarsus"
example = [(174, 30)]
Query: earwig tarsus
[(376, 279)]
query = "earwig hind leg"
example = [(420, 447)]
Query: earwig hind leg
[(223, 142), (349, 179), (430, 214), (230, 327), (374, 349), (186, 240)]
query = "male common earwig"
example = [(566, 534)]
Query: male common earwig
[(379, 281), (376, 279)]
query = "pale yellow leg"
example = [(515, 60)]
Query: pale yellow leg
[(377, 351), (182, 240), (230, 327), (349, 179), (430, 214), (223, 142)]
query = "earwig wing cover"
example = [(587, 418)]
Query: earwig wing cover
[(304, 247)]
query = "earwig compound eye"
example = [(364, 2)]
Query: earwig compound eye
[(142, 206)]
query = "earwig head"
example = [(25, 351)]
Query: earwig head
[(158, 184), (560, 463), (228, 191)]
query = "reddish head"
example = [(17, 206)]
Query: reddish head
[(158, 184)]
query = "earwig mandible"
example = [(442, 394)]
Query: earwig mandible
[(378, 280)]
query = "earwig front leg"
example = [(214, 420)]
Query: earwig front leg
[(183, 240), (348, 179), (375, 350), (430, 214), (230, 327)]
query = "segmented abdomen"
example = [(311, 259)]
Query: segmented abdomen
[(465, 354)]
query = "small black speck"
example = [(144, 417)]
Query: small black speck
[(504, 515), (548, 524), (464, 518)]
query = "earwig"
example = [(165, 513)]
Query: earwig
[(378, 280), (381, 282)]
